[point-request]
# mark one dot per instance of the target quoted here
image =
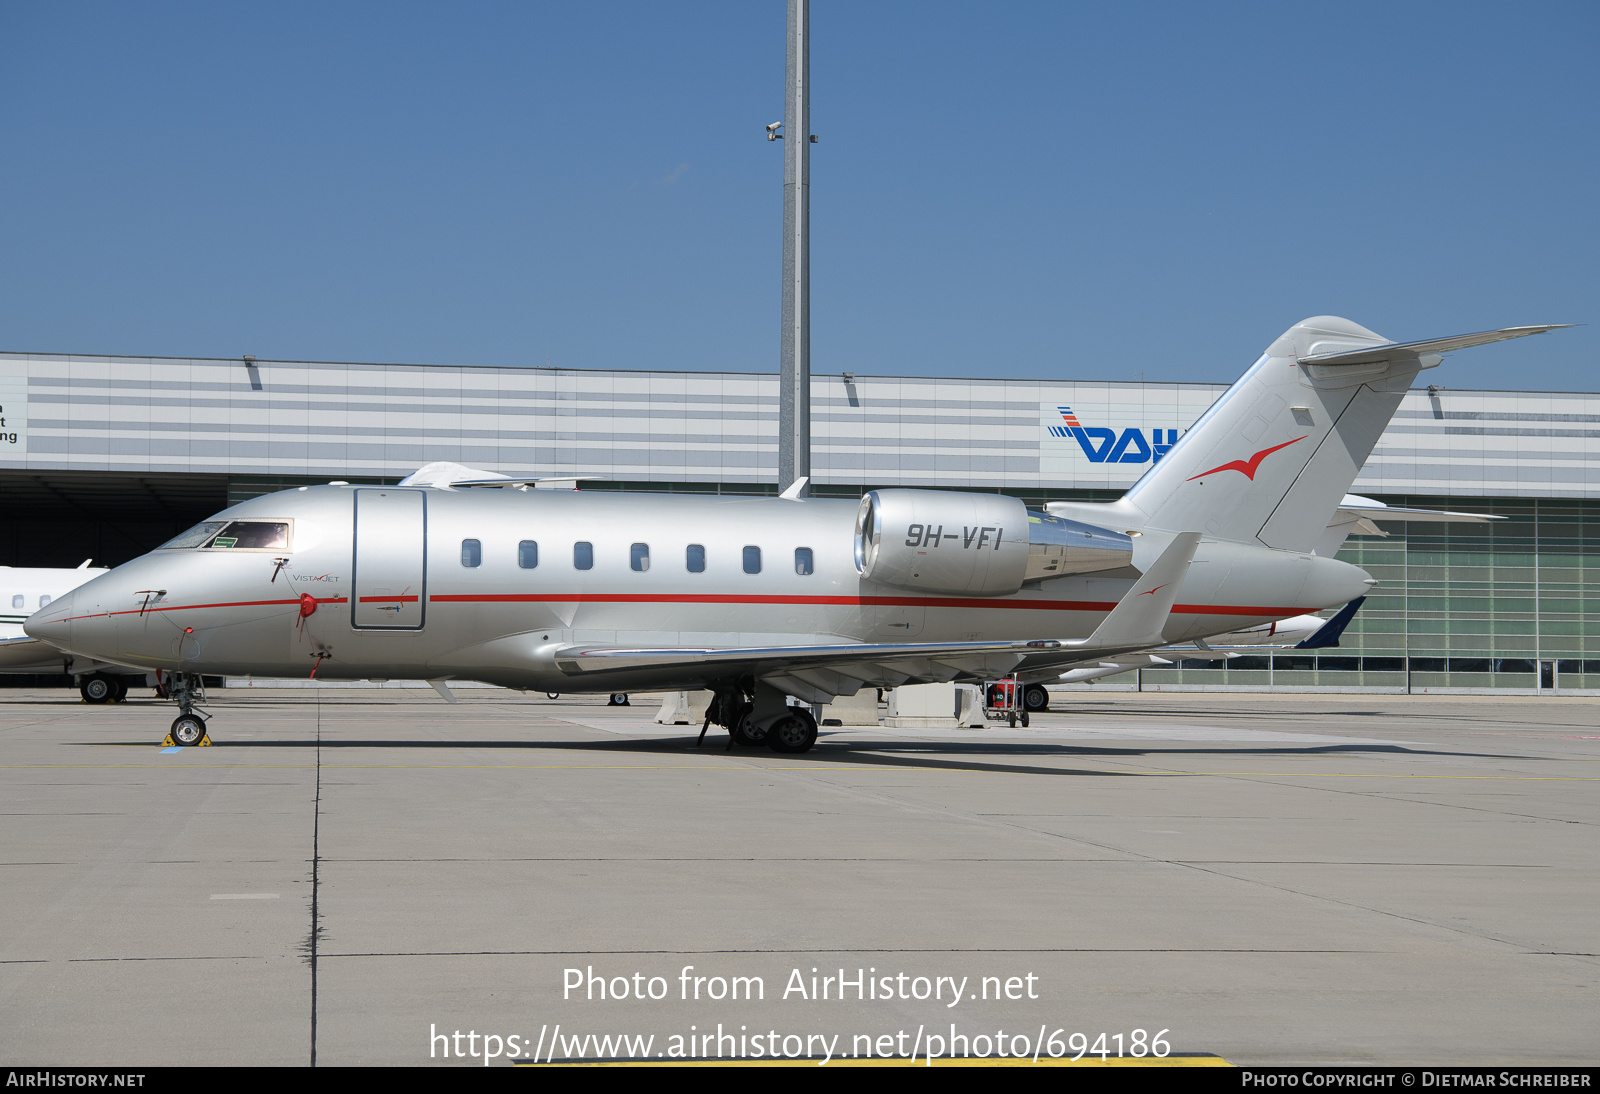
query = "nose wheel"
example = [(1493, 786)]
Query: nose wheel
[(189, 727), (188, 730)]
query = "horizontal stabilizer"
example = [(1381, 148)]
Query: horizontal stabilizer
[(1359, 507), (1394, 351), (1328, 634)]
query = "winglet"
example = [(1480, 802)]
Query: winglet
[(797, 489), (1140, 615), (1328, 634)]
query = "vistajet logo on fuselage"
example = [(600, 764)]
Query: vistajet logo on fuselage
[(1130, 447)]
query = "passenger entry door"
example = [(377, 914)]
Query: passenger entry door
[(391, 557)]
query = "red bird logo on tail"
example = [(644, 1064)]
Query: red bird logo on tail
[(1247, 468)]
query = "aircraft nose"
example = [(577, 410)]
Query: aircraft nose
[(52, 623)]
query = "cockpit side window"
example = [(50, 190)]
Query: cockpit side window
[(253, 535), (234, 535), (197, 536)]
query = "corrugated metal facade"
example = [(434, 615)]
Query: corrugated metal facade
[(138, 414)]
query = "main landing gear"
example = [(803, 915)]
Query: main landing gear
[(100, 688), (765, 718), (189, 727)]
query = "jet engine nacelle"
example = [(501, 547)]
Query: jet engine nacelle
[(939, 541)]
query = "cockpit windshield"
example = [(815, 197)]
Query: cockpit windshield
[(237, 535)]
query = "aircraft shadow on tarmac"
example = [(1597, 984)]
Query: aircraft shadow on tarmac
[(951, 756)]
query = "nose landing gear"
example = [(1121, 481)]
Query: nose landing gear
[(189, 727)]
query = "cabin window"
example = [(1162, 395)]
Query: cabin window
[(639, 556), (696, 558), (16, 601), (471, 553), (528, 554), (752, 560), (43, 600), (802, 561), (583, 556)]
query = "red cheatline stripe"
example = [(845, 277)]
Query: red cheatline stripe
[(846, 601), (388, 599), (187, 607)]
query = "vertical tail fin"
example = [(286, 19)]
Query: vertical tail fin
[(1271, 459)]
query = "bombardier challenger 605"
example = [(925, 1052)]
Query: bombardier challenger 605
[(456, 574)]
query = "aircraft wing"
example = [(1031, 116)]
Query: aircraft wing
[(23, 654), (816, 673)]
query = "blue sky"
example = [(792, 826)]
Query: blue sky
[(1083, 191)]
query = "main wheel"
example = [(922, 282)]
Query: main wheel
[(794, 732), (97, 689), (1035, 697), (188, 729), (746, 734), (619, 699), (122, 689), (552, 695)]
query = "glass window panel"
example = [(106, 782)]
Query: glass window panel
[(44, 599), (802, 561), (16, 601), (253, 535), (752, 560), (194, 537), (471, 553), (695, 558), (528, 554), (583, 555), (639, 557)]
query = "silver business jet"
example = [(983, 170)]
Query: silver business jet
[(461, 575)]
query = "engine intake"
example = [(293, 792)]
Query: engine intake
[(939, 541)]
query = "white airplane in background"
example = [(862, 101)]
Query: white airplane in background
[(23, 591), (764, 600)]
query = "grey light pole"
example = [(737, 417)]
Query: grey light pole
[(794, 400)]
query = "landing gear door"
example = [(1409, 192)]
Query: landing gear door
[(391, 549)]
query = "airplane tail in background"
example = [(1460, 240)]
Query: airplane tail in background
[(1271, 460)]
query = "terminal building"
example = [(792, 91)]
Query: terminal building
[(105, 457)]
